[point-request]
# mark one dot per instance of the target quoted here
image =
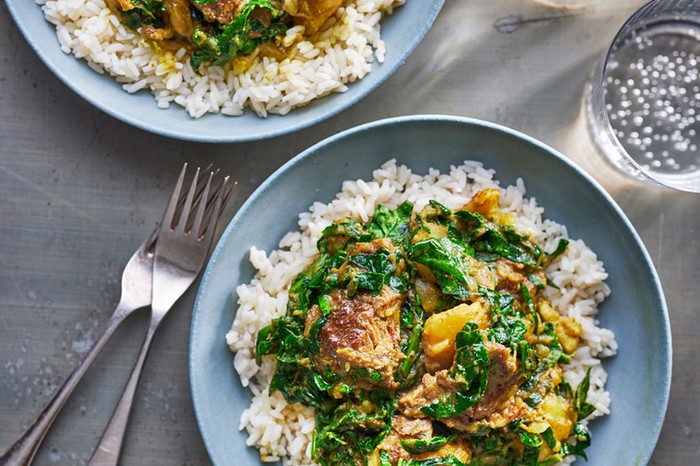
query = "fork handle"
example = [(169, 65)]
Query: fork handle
[(23, 450), (110, 446)]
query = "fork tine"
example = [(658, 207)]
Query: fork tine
[(182, 222), (227, 186), (174, 197), (220, 194), (202, 207), (198, 194)]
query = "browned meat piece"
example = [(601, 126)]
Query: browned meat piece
[(403, 428), (372, 247), (501, 384), (502, 380), (511, 275), (312, 13), (431, 389), (514, 408), (362, 332), (158, 34), (220, 11)]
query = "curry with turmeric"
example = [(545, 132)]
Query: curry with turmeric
[(216, 31), (427, 339)]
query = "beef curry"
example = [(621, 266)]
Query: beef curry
[(216, 31), (427, 339)]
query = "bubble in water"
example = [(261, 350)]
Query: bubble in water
[(681, 146), (651, 95)]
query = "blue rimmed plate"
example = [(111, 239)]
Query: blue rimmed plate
[(639, 375), (402, 31)]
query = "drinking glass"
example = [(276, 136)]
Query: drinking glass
[(643, 102)]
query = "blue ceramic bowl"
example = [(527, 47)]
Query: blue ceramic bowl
[(402, 31), (639, 375)]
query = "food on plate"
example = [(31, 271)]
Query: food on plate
[(216, 31), (423, 320), (225, 55)]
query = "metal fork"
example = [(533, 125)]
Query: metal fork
[(182, 247), (135, 294)]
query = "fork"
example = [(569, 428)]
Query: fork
[(135, 294), (181, 249)]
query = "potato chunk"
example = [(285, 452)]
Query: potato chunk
[(312, 14), (567, 329), (559, 414), (486, 203), (441, 329)]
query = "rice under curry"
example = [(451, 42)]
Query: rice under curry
[(427, 335), (225, 56)]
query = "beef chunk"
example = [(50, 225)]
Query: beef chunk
[(361, 335), (220, 11), (403, 428), (501, 384)]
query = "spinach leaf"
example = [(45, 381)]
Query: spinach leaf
[(555, 354), (388, 223), (499, 303), (530, 307), (470, 370), (532, 443), (297, 381), (491, 240), (418, 446), (313, 342), (529, 439), (377, 272), (243, 35), (267, 341), (337, 235), (549, 438), (384, 458), (411, 321), (347, 433), (445, 259), (507, 328), (449, 460), (581, 440), (411, 351), (583, 409), (147, 12), (558, 251), (450, 405)]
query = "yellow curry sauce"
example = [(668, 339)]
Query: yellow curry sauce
[(217, 31), (427, 339)]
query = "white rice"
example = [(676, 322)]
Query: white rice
[(340, 53), (284, 431)]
